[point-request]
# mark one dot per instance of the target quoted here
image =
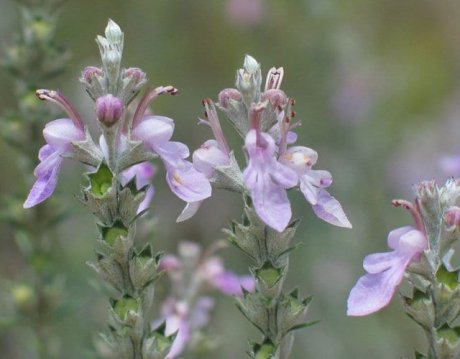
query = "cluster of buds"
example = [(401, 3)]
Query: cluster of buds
[(186, 310), (422, 253)]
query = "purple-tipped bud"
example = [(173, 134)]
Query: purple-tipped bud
[(228, 94), (134, 73), (90, 73), (109, 109), (452, 218), (276, 97)]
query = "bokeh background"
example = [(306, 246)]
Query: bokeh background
[(377, 90)]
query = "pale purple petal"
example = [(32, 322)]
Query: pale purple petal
[(299, 158), (208, 157), (154, 130), (45, 151), (320, 178), (309, 191), (395, 235), (330, 210), (271, 203), (379, 262), (45, 184), (372, 292), (228, 283), (172, 152), (59, 134), (283, 175), (189, 211), (147, 200), (187, 183), (200, 314), (412, 243), (143, 172), (181, 340), (248, 283)]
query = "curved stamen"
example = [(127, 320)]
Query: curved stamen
[(59, 99), (213, 121), (147, 99), (413, 210)]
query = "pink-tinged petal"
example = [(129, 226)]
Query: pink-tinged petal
[(330, 210), (271, 203), (45, 184), (228, 283), (208, 157), (372, 292), (379, 262), (395, 235), (412, 243), (309, 191), (154, 130), (104, 147), (187, 183), (170, 262), (59, 134), (248, 283), (189, 211)]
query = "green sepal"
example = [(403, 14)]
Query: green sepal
[(254, 307), (290, 310), (100, 181), (266, 350), (420, 308), (448, 342), (124, 305)]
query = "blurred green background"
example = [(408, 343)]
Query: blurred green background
[(377, 93)]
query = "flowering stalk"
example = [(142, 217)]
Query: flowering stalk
[(264, 120), (423, 255), (32, 58), (119, 189)]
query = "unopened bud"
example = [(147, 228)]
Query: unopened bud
[(113, 33), (228, 94), (452, 218), (90, 73), (109, 109), (276, 97), (249, 79)]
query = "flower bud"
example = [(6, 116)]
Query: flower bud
[(113, 33), (452, 218), (228, 94), (249, 79), (276, 97), (109, 109)]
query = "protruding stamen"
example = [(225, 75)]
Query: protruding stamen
[(148, 98), (214, 122), (274, 78), (59, 99), (413, 210)]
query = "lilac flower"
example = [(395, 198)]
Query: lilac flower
[(267, 180), (211, 154), (156, 131), (59, 135), (312, 184), (143, 172), (374, 290)]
